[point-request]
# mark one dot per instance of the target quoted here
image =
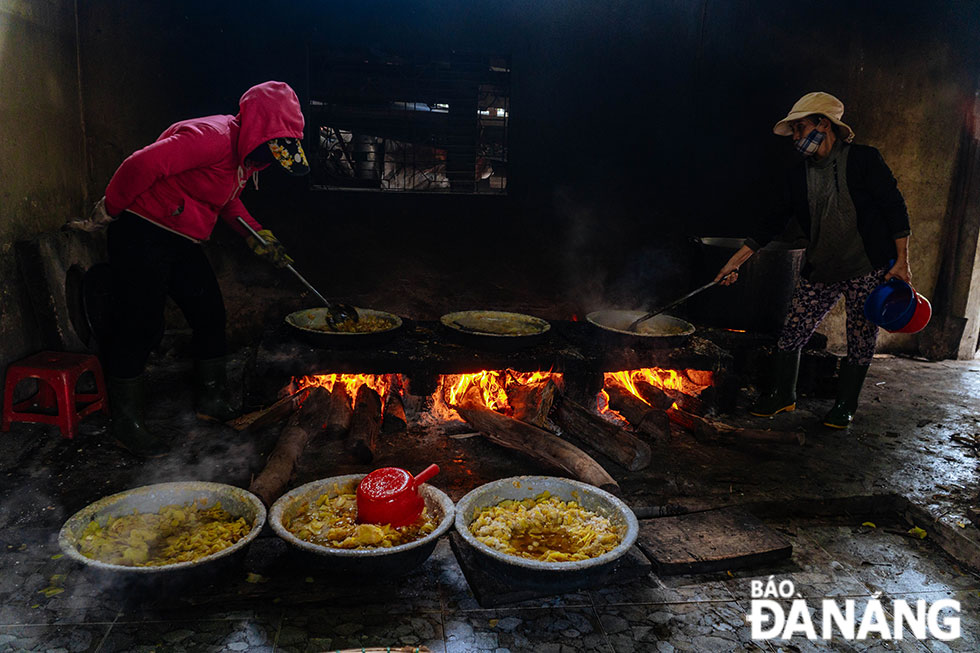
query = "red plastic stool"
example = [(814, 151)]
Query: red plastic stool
[(57, 374)]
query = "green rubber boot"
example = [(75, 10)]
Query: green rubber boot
[(782, 395), (126, 404), (212, 400), (849, 383)]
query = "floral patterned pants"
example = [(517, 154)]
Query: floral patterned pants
[(812, 302)]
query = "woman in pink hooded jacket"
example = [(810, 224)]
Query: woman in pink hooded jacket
[(167, 198)]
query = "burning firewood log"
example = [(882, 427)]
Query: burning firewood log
[(643, 417), (664, 398), (687, 403), (276, 412), (710, 429), (531, 403), (365, 425), (534, 442), (394, 420), (302, 425), (341, 412), (653, 395), (579, 422), (700, 377)]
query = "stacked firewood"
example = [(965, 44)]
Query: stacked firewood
[(334, 413), (539, 412), (656, 408), (543, 423)]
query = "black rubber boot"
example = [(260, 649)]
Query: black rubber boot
[(126, 405), (849, 384), (212, 400), (782, 394)]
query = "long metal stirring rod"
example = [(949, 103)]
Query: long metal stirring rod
[(632, 327), (289, 266)]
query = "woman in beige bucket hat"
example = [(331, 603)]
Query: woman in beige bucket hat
[(843, 199)]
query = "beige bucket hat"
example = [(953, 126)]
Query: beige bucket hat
[(811, 103)]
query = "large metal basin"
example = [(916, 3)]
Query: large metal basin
[(556, 577), (149, 499), (379, 563)]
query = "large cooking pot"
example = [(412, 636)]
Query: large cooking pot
[(660, 331), (311, 325), (759, 299)]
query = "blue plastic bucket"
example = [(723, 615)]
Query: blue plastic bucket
[(891, 305)]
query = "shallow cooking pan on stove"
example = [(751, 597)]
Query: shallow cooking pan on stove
[(495, 330), (612, 326), (373, 328)]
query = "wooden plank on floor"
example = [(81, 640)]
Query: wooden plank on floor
[(714, 540)]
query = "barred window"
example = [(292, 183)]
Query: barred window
[(420, 123)]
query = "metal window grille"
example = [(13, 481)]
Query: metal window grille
[(420, 123)]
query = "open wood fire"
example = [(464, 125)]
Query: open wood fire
[(529, 412)]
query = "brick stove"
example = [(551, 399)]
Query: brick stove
[(422, 351)]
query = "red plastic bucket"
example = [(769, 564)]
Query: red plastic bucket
[(920, 318), (891, 305)]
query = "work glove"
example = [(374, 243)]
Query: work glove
[(272, 251), (97, 220), (99, 215)]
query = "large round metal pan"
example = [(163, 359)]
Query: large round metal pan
[(495, 330), (311, 325), (658, 331), (150, 498), (559, 577)]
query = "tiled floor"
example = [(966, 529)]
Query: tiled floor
[(434, 607), (910, 439)]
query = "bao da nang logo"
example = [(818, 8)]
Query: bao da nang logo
[(772, 616)]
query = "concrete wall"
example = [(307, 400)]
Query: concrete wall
[(41, 153)]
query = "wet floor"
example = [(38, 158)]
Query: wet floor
[(910, 459)]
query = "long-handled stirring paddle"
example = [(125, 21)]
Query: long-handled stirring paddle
[(636, 323)]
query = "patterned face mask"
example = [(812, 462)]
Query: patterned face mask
[(809, 144), (290, 155)]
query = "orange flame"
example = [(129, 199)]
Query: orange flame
[(380, 383), (492, 385), (655, 376)]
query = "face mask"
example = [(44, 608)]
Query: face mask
[(809, 144)]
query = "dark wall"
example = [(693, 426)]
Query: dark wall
[(41, 160), (633, 125)]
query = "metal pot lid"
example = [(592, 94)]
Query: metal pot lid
[(314, 320), (498, 324), (659, 326)]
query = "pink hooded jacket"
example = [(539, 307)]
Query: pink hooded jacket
[(196, 170)]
